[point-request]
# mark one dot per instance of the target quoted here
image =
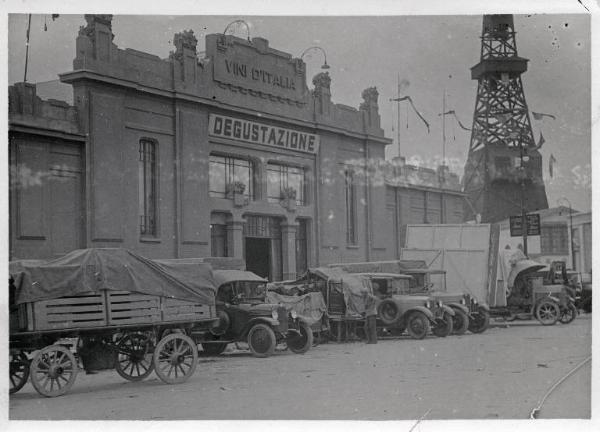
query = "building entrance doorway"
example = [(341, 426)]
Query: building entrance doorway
[(262, 250), (258, 256)]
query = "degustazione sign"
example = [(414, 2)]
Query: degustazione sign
[(260, 133)]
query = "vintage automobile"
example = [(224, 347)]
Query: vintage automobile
[(398, 311), (530, 295), (245, 316), (556, 274), (469, 313)]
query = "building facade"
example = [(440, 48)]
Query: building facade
[(221, 153)]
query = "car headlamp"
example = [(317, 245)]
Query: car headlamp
[(427, 304), (274, 314), (439, 303), (294, 314), (463, 301)]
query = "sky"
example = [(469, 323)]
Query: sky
[(429, 54)]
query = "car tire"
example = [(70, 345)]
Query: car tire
[(444, 325), (547, 312), (388, 312), (299, 344), (261, 340), (480, 321), (417, 325), (460, 322), (568, 314), (213, 348)]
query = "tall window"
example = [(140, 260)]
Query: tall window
[(225, 172), (350, 208), (218, 240), (147, 187), (283, 177), (554, 239)]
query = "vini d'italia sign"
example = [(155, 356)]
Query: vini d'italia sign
[(260, 133)]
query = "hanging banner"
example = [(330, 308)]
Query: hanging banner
[(260, 133)]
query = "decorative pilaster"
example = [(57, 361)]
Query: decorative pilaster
[(235, 238), (288, 250)]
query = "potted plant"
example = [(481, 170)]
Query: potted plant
[(235, 190), (288, 198)]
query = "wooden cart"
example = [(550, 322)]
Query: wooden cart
[(144, 332)]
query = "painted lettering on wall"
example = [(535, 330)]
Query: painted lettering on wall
[(259, 133), (243, 71)]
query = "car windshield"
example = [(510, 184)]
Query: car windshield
[(252, 289), (417, 283)]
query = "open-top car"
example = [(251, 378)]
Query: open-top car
[(245, 316)]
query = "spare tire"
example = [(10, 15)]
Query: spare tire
[(388, 312)]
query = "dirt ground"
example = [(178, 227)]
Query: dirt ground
[(500, 374)]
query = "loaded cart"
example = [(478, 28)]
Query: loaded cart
[(125, 312)]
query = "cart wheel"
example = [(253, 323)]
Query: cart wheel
[(133, 359), (19, 371), (175, 358), (460, 322), (547, 312), (300, 343), (443, 326), (568, 314), (417, 325), (53, 371)]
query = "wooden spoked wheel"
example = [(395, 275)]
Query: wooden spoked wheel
[(133, 360), (53, 371), (19, 371), (175, 358)]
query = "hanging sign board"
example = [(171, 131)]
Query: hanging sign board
[(533, 225)]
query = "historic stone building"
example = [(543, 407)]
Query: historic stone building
[(223, 153)]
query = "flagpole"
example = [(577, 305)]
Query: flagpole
[(444, 129), (398, 97), (27, 49)]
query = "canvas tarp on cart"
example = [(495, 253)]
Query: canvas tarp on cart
[(354, 288), (310, 306), (91, 270)]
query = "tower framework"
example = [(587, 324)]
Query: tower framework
[(503, 173)]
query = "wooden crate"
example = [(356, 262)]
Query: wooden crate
[(68, 312), (124, 307), (182, 310)]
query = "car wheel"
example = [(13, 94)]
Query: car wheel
[(480, 321), (388, 312), (213, 348), (261, 340), (547, 312), (300, 343), (568, 314), (460, 320), (417, 325), (443, 326)]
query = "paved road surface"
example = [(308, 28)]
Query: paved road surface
[(501, 374)]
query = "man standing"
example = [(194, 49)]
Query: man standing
[(371, 318)]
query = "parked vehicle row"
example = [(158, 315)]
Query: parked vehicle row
[(140, 316)]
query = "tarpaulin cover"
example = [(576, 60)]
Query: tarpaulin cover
[(225, 276), (309, 306), (395, 266), (91, 270), (354, 288)]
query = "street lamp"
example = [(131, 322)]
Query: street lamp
[(325, 65), (572, 254), (240, 21)]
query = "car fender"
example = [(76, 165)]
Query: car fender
[(271, 322), (462, 307), (483, 306), (449, 310), (423, 309)]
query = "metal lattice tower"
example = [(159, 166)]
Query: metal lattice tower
[(494, 179)]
